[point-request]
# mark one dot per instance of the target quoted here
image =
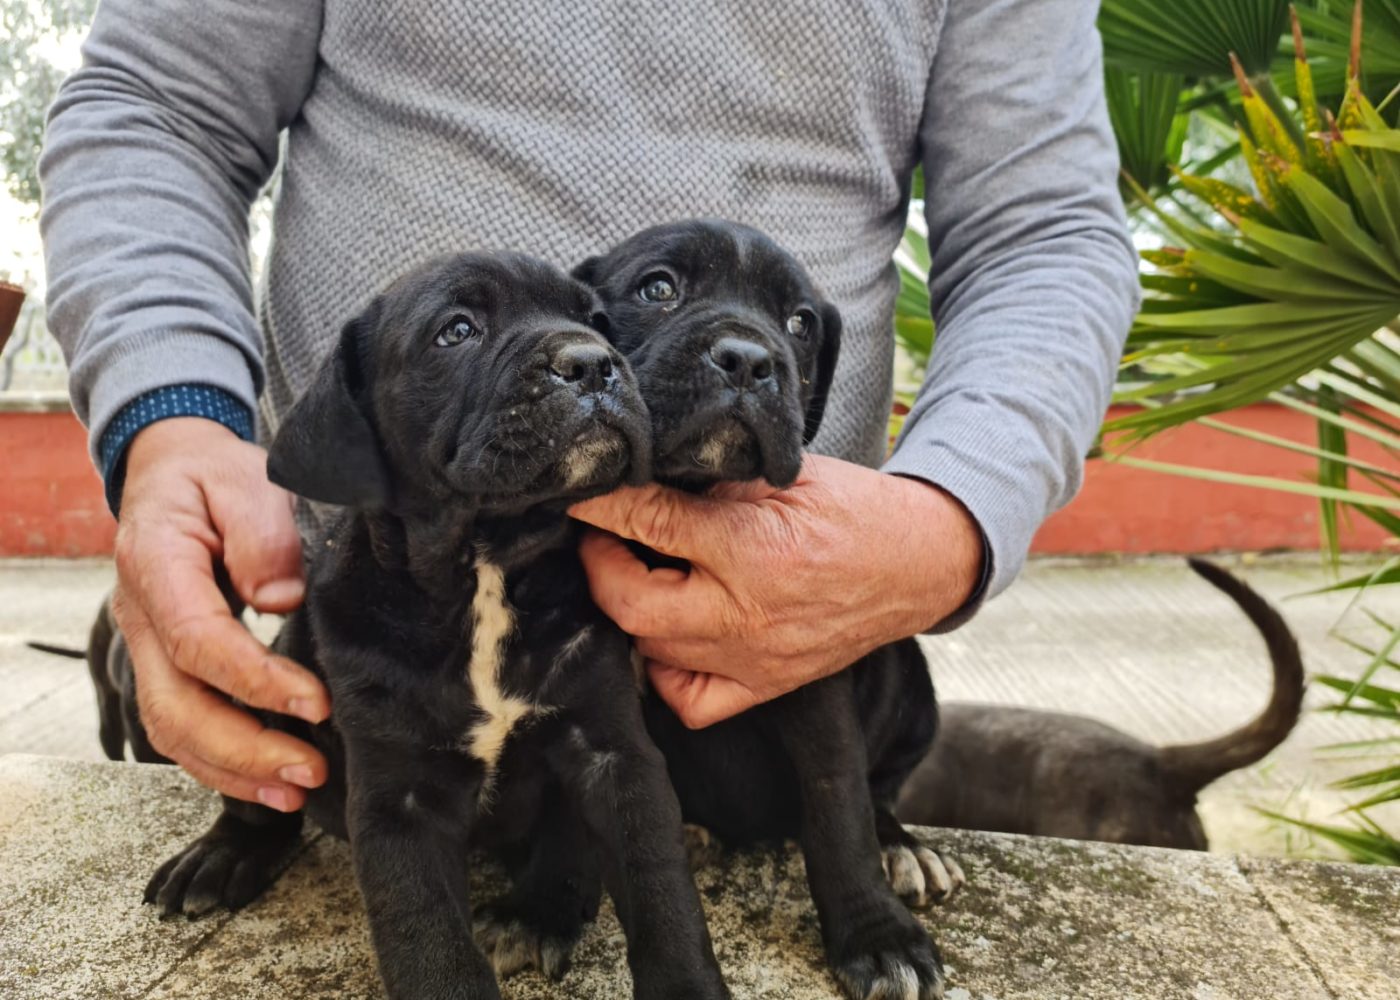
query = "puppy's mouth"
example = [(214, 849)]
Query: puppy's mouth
[(736, 443), (558, 449), (724, 449), (598, 458)]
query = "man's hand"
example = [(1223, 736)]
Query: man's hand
[(785, 587), (194, 493)]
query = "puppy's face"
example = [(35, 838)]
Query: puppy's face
[(477, 378), (733, 347)]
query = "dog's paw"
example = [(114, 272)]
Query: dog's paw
[(920, 876), (217, 870), (513, 940), (909, 971), (702, 848)]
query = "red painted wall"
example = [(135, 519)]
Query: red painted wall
[(50, 496), (1121, 509), (51, 499)]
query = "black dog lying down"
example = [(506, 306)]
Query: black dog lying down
[(734, 350), (480, 697), (1046, 773)]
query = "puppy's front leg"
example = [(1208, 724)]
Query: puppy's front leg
[(624, 793), (408, 838), (875, 947)]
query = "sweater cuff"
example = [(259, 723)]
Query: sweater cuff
[(971, 457), (207, 401)]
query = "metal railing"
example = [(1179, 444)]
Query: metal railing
[(32, 361)]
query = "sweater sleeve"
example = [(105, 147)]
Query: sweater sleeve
[(156, 147), (1033, 279)]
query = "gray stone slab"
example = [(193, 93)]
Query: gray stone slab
[(1041, 919), (1345, 918)]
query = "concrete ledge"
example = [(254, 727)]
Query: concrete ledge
[(35, 401), (1041, 919)]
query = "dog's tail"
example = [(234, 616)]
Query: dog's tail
[(64, 651), (1192, 766)]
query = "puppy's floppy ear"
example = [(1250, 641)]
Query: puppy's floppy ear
[(586, 270), (827, 352), (327, 449), (598, 317)]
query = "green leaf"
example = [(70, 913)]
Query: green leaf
[(1288, 249), (1333, 219), (1381, 216), (1369, 778), (1384, 697), (1142, 108), (1368, 846), (1389, 573), (1331, 472), (1266, 482), (1192, 37), (1389, 140), (1286, 283)]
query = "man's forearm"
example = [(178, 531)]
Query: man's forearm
[(1033, 277), (154, 152)]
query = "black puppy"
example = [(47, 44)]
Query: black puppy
[(735, 350), (480, 699)]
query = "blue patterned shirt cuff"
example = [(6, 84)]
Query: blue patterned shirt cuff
[(207, 401)]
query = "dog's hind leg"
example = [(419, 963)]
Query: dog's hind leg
[(553, 896), (121, 673), (623, 793), (240, 856), (111, 733), (875, 946)]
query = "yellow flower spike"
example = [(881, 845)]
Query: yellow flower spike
[(1223, 197), (1317, 152), (1354, 56), (1262, 183), (1269, 133)]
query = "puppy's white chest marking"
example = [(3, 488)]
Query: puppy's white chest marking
[(492, 624)]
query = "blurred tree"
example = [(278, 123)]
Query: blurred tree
[(30, 34)]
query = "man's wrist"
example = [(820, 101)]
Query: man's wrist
[(955, 556), (203, 401)]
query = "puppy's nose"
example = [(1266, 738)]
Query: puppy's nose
[(587, 367), (743, 362)]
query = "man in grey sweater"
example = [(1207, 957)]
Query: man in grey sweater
[(417, 128)]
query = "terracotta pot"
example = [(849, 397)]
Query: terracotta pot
[(11, 298)]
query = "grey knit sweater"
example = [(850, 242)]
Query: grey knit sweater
[(418, 127)]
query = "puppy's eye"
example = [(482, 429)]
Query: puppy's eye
[(457, 330), (657, 287), (800, 323)]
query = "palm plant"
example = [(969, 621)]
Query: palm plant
[(1271, 196)]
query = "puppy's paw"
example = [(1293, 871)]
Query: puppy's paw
[(514, 939), (909, 970), (702, 848), (229, 866), (920, 876)]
